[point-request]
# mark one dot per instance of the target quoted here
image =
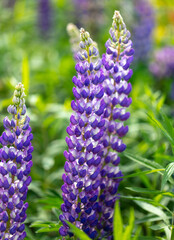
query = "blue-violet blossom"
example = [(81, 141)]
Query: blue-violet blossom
[(143, 29), (96, 128), (15, 165)]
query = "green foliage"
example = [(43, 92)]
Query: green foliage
[(77, 232), (168, 172), (46, 67), (118, 224)]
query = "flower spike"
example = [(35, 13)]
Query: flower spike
[(15, 165)]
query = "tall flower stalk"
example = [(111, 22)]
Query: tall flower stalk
[(15, 165), (117, 60), (91, 179)]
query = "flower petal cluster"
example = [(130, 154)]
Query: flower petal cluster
[(92, 175), (15, 165)]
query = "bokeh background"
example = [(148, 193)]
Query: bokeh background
[(35, 48)]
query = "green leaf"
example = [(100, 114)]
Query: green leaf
[(142, 173), (149, 238), (147, 191), (48, 229), (51, 202), (166, 127), (150, 218), (29, 234), (143, 161), (129, 228), (118, 224), (77, 232), (167, 124), (167, 174), (46, 226), (137, 233), (152, 209), (147, 200), (172, 233), (157, 227), (25, 74)]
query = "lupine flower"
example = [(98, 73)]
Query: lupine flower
[(91, 179), (81, 181), (89, 13), (143, 30), (44, 17), (15, 165), (163, 64), (117, 60)]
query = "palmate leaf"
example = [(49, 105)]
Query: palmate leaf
[(157, 227), (167, 174), (46, 226), (152, 209), (150, 218), (51, 202), (118, 224), (77, 232), (143, 173), (146, 200), (143, 161), (147, 191)]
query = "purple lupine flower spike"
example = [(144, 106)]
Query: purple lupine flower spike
[(44, 17), (82, 178), (15, 164), (117, 60), (91, 179), (143, 29)]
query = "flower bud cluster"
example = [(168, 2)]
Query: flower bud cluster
[(96, 129), (78, 50), (15, 165)]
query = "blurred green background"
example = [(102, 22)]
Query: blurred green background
[(35, 49)]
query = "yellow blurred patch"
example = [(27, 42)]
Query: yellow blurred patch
[(159, 33), (67, 104)]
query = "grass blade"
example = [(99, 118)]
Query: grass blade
[(143, 161), (118, 224), (167, 174)]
